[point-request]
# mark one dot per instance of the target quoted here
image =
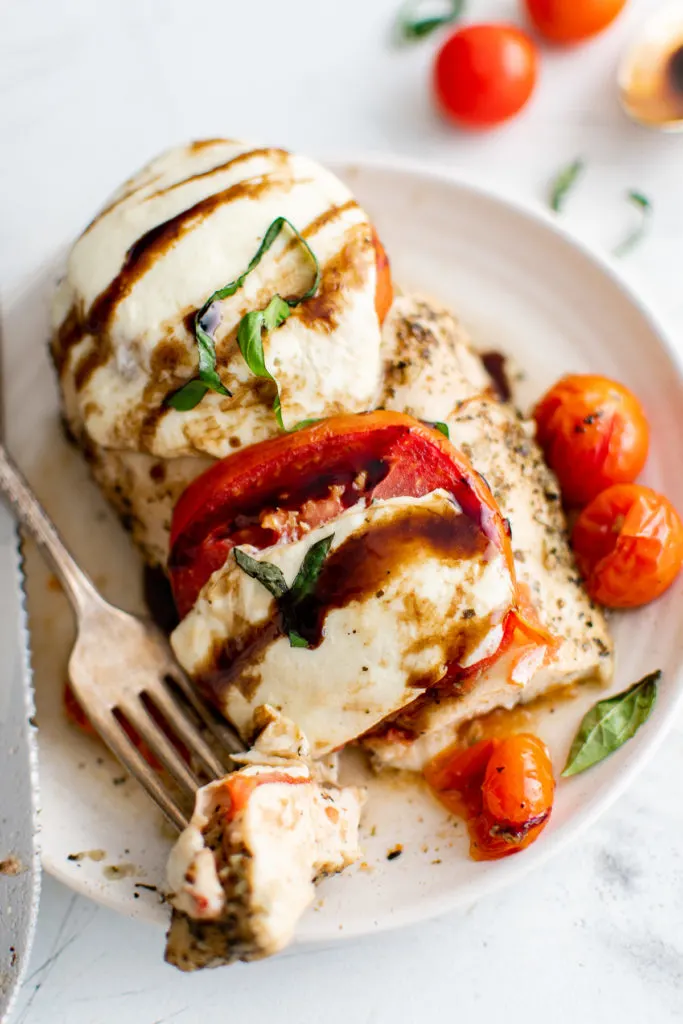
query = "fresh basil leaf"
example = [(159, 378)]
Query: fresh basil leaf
[(563, 184), (188, 396), (610, 723), (269, 575), (307, 576), (296, 639), (302, 424), (411, 26), (250, 342), (275, 314), (643, 204), (277, 409), (442, 428)]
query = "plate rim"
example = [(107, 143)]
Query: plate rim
[(434, 906)]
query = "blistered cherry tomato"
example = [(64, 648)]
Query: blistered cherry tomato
[(485, 74), (570, 21), (629, 545), (593, 433), (518, 782), (502, 787)]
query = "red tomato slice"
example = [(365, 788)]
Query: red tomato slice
[(282, 487)]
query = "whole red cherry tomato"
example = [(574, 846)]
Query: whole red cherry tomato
[(629, 545), (571, 21), (593, 433), (485, 74)]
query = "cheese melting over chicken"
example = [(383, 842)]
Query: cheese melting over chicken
[(182, 228), (422, 588)]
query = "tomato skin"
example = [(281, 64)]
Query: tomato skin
[(384, 289), (593, 433), (504, 789), (628, 545), (414, 459), (571, 21), (518, 782), (485, 74), (240, 787)]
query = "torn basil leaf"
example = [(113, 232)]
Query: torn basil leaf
[(188, 396), (610, 723), (269, 575), (307, 576), (644, 206), (249, 332), (302, 424), (252, 325), (412, 25), (563, 184), (288, 598), (296, 639), (442, 428)]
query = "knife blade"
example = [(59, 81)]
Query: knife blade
[(19, 850)]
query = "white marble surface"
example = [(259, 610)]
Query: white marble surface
[(88, 91)]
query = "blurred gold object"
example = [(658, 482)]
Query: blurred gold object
[(651, 71)]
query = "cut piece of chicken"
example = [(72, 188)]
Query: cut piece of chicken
[(500, 445), (242, 873), (410, 587), (429, 362)]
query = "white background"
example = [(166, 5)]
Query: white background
[(89, 90)]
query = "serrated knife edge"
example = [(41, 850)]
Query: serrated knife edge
[(19, 810)]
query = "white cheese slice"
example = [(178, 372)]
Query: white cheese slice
[(378, 651), (501, 446), (185, 226)]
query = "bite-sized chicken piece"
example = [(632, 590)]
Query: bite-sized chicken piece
[(187, 225), (500, 445), (242, 873), (430, 363), (410, 588)]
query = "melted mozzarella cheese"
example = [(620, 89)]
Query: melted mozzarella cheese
[(501, 446), (378, 651), (188, 224)]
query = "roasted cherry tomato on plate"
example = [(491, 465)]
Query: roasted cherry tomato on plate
[(485, 74), (504, 788), (629, 545), (571, 21), (593, 433)]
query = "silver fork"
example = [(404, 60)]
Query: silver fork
[(122, 669)]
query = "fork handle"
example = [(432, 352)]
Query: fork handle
[(31, 514)]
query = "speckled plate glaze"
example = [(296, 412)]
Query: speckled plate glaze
[(523, 286)]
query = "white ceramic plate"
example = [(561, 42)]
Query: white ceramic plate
[(522, 286)]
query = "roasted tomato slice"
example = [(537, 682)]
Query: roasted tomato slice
[(384, 289), (279, 489), (504, 789)]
